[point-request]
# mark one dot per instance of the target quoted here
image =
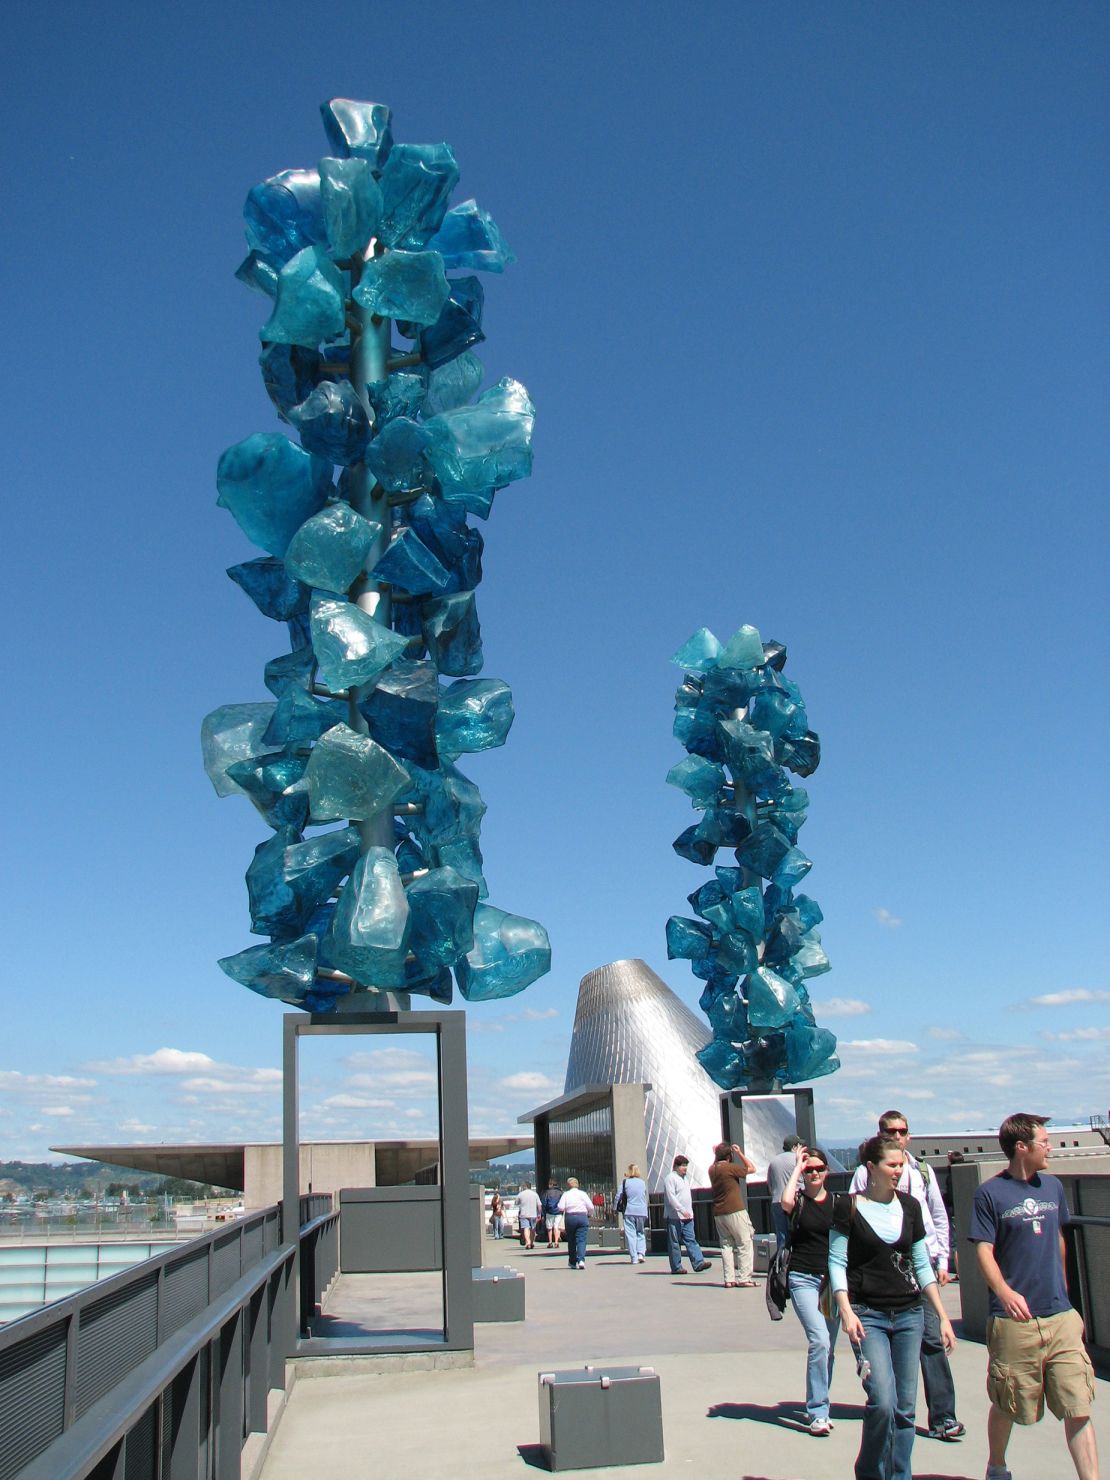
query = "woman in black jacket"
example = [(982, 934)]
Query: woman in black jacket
[(880, 1274)]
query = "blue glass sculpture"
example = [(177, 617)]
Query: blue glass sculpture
[(374, 575), (753, 944)]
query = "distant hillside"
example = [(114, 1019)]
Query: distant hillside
[(87, 1179)]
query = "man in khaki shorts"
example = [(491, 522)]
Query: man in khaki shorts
[(1034, 1337)]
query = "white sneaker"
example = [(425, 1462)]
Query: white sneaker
[(998, 1472), (579, 1266), (819, 1428)]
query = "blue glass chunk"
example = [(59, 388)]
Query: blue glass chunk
[(352, 204), (810, 958), (486, 445), (748, 751), (453, 384), (285, 970), (332, 422), (810, 1051), (257, 272), (295, 668), (289, 373), (509, 954), (410, 856), (737, 953), (409, 565), (271, 486), (452, 634), (313, 869), (329, 551), (452, 807), (436, 984), (772, 1002), (396, 455), (469, 237), (404, 285), (696, 727), (774, 655), (369, 933), (792, 868), (687, 940), (698, 653), (401, 711), (474, 714), (700, 779), (458, 326), (728, 689), (788, 813), (764, 851), (265, 780), (284, 215), (455, 544), (465, 856), (229, 734), (778, 714), (350, 646), (350, 775), (743, 650), (442, 905), (724, 827), (417, 182), (802, 756), (301, 718), (691, 845), (400, 394), (724, 1064), (311, 301), (274, 908), (272, 589), (359, 129)]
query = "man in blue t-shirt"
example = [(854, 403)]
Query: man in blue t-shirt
[(1034, 1337)]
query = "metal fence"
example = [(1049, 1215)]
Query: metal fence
[(160, 1372)]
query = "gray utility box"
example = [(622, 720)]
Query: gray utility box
[(598, 1416), (609, 1238), (498, 1294)]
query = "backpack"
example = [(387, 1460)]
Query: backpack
[(777, 1292)]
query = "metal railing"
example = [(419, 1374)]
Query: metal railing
[(165, 1369)]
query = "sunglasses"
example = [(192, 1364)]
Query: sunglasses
[(897, 1130), (815, 1170)]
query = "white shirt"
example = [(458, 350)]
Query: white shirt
[(677, 1201), (574, 1200), (932, 1206)]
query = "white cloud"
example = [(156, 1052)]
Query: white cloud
[(945, 1035), (1069, 998), (539, 1014), (249, 1085), (161, 1061), (347, 1101), (137, 1127), (529, 1080), (880, 1045), (1080, 1035), (56, 1110), (399, 1081), (885, 918), (841, 1007), (12, 1081)]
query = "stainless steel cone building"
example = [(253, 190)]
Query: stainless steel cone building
[(630, 1028)]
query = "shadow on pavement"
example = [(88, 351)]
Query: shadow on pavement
[(532, 1454), (782, 1415)]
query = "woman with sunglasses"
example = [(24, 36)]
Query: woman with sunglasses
[(880, 1274), (809, 1207)]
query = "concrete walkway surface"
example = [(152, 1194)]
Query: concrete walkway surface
[(732, 1383)]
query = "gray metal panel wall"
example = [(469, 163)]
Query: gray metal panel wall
[(184, 1290), (116, 1333), (32, 1391), (389, 1229), (226, 1264)]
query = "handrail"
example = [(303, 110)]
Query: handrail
[(85, 1443)]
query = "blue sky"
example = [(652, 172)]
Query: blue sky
[(809, 302)]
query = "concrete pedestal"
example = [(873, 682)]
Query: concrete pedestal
[(595, 1416), (498, 1294)]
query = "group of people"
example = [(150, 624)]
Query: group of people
[(872, 1262)]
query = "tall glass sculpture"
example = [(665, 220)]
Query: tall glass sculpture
[(754, 941), (373, 571)]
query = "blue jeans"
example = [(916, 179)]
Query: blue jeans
[(634, 1236), (576, 1226), (821, 1334), (940, 1390), (679, 1232), (892, 1344), (780, 1222)]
